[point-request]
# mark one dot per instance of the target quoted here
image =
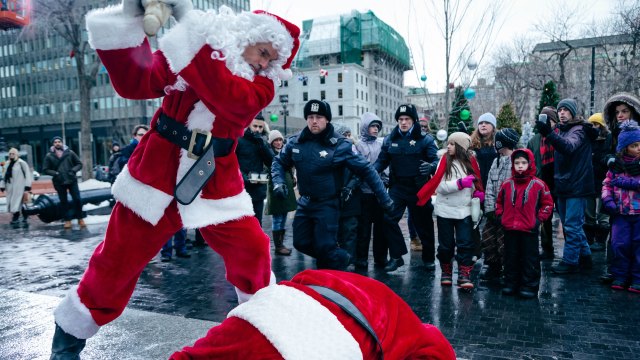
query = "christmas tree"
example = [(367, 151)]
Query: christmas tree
[(460, 113), (507, 118), (550, 96)]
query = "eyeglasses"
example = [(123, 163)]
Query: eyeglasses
[(140, 134)]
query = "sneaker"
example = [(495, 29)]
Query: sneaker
[(563, 268), (634, 288), (165, 258), (464, 277), (618, 285), (446, 279)]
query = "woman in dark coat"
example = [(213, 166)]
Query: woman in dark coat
[(276, 206)]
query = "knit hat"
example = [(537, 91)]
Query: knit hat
[(317, 107), (408, 110), (56, 138), (462, 139), (259, 116), (274, 135), (551, 113), (629, 134), (114, 144), (597, 119), (488, 118), (570, 105), (507, 138)]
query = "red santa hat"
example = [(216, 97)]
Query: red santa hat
[(294, 31)]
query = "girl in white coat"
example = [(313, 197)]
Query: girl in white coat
[(16, 180)]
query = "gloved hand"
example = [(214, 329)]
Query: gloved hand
[(610, 206), (178, 7), (388, 207), (280, 190), (132, 8), (72, 173), (26, 188), (466, 182), (543, 128), (345, 194), (479, 194), (615, 165), (491, 216), (425, 168), (625, 182)]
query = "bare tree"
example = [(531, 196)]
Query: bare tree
[(65, 18), (481, 27)]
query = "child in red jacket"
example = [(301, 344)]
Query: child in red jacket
[(524, 201)]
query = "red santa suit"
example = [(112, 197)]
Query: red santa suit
[(207, 85), (291, 321)]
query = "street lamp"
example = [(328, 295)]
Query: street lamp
[(284, 101)]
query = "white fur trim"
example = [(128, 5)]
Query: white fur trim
[(110, 29), (243, 297), (146, 201), (285, 74), (74, 317), (297, 325), (228, 34), (203, 212)]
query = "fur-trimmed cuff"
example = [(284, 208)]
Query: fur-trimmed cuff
[(243, 297), (204, 212), (74, 317), (146, 201), (110, 29), (182, 43), (298, 325)]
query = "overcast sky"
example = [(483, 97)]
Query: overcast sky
[(415, 21)]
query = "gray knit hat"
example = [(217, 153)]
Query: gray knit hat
[(508, 138)]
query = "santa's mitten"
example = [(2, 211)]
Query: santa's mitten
[(132, 8), (156, 14), (179, 8)]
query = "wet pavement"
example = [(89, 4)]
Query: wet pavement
[(575, 316)]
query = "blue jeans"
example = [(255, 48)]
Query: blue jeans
[(177, 242), (278, 221), (571, 211)]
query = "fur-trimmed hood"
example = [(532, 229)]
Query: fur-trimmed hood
[(617, 99)]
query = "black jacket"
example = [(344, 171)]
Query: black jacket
[(253, 155), (63, 169)]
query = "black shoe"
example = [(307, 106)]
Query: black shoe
[(507, 290), (66, 346), (380, 265), (528, 293), (165, 258), (547, 255), (361, 264), (492, 272), (429, 265), (182, 254), (564, 268), (606, 278), (393, 264), (585, 262)]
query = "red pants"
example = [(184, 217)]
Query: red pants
[(130, 243)]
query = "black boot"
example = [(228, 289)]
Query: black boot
[(590, 233), (66, 346), (16, 218)]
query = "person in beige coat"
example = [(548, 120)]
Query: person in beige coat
[(16, 180)]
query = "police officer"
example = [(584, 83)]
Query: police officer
[(320, 156), (412, 157)]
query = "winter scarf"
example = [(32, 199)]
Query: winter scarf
[(9, 172), (430, 187)]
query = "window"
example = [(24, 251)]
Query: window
[(339, 77), (322, 79), (322, 95), (340, 110), (339, 93), (305, 96)]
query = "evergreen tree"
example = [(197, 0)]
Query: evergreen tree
[(459, 104), (507, 118), (550, 96)]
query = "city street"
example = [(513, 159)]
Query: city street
[(575, 317)]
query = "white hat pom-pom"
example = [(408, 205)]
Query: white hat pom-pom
[(285, 74)]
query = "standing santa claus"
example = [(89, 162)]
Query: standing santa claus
[(216, 71)]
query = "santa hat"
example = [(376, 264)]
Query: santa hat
[(294, 32)]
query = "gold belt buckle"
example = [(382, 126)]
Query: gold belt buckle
[(192, 142)]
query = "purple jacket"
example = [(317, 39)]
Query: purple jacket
[(627, 201)]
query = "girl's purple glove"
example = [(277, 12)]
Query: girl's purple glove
[(466, 182), (479, 194), (610, 206), (625, 182)]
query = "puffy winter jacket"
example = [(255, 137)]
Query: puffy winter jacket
[(524, 201)]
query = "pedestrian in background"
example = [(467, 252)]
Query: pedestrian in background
[(492, 234), (62, 164), (177, 242), (596, 221), (543, 154), (139, 131), (254, 157), (411, 158), (114, 167), (16, 181), (279, 207), (523, 202), (372, 215), (621, 199), (320, 156), (573, 175), (456, 182)]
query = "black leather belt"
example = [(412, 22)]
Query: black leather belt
[(318, 198), (200, 146), (348, 307)]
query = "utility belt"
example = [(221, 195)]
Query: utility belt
[(200, 146), (348, 307)]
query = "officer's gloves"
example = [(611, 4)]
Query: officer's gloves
[(280, 190), (425, 168), (345, 194)]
